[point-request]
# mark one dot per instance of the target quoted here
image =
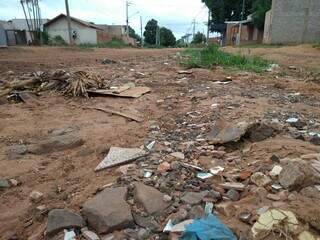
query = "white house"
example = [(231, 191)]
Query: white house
[(82, 32)]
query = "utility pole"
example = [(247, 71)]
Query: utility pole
[(208, 30), (127, 16), (141, 31), (69, 23), (240, 25), (194, 28)]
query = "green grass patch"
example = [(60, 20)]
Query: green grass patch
[(212, 55), (114, 43), (317, 45)]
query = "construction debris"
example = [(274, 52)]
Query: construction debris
[(128, 114)]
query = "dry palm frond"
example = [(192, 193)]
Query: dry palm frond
[(78, 84)]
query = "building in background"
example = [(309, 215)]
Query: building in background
[(292, 21), (16, 31), (85, 32), (3, 38), (249, 32)]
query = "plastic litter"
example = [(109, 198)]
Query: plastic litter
[(203, 175), (208, 208), (209, 228), (69, 235)]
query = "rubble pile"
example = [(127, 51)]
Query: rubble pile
[(171, 188)]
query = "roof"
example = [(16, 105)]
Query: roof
[(21, 24), (84, 23)]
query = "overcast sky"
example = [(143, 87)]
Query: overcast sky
[(174, 14)]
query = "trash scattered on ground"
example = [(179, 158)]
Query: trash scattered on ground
[(134, 92), (108, 61), (275, 220), (208, 228), (118, 156), (129, 114)]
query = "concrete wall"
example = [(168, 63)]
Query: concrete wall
[(293, 21), (3, 38), (84, 34)]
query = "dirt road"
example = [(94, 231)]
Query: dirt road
[(183, 108)]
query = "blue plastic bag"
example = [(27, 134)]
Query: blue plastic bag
[(208, 228)]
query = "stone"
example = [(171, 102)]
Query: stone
[(179, 216), (167, 198), (307, 209), (233, 185), (143, 234), (275, 158), (226, 209), (245, 217), (149, 198), (89, 235), (196, 211), (233, 195), (4, 183), (108, 211), (296, 174), (305, 235), (244, 175), (126, 168), (164, 167), (258, 132), (193, 198), (13, 182), (117, 156), (178, 155), (147, 222), (36, 196), (276, 170), (16, 151), (260, 179), (59, 219), (56, 143), (273, 197), (311, 192), (222, 133)]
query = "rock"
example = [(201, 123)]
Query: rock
[(244, 175), (147, 222), (126, 168), (108, 211), (56, 143), (310, 192), (275, 158), (315, 139), (276, 170), (16, 151), (273, 197), (196, 211), (233, 185), (233, 195), (167, 198), (164, 167), (179, 216), (260, 179), (193, 198), (305, 235), (4, 183), (296, 174), (13, 182), (222, 133), (36, 196), (149, 198), (226, 209), (59, 219), (89, 235), (245, 217), (177, 155)]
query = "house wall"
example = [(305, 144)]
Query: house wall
[(293, 21), (84, 34), (248, 33), (3, 38)]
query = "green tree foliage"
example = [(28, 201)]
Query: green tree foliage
[(199, 38), (150, 32), (167, 38), (230, 10), (132, 33), (259, 9)]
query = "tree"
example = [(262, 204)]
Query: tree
[(230, 10), (132, 33), (259, 9), (150, 32), (199, 38), (167, 38)]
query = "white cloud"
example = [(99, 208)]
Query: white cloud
[(174, 14)]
